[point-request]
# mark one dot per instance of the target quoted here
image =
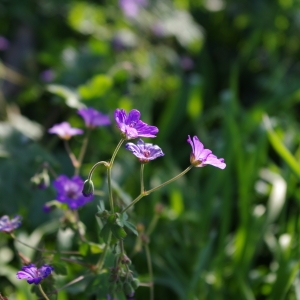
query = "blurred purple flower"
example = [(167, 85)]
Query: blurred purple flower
[(64, 130), (131, 126), (33, 274), (47, 75), (93, 118), (131, 8), (69, 191), (144, 151), (186, 63), (4, 43), (201, 157), (7, 225)]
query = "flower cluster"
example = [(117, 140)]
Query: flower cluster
[(92, 118), (33, 274), (7, 225)]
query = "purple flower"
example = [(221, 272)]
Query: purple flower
[(7, 225), (131, 126), (186, 63), (201, 157), (131, 8), (64, 130), (4, 43), (47, 75), (70, 191), (93, 118), (34, 274), (144, 151)]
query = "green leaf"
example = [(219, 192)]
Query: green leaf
[(105, 232), (118, 232), (98, 86), (131, 227)]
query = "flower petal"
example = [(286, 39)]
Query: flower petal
[(214, 161)]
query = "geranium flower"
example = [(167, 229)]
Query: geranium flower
[(7, 225), (69, 191), (64, 130), (93, 118), (33, 274), (132, 127), (201, 157), (144, 151)]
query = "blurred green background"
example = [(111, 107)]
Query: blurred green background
[(225, 70)]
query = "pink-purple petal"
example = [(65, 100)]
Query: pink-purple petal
[(214, 161), (198, 147)]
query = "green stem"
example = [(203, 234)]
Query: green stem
[(111, 200), (102, 258), (149, 263), (152, 224), (146, 193), (71, 155), (142, 178), (134, 202), (82, 151), (105, 163), (43, 293), (81, 234), (42, 250), (169, 181)]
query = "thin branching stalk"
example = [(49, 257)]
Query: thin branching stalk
[(146, 193)]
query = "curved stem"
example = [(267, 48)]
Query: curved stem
[(82, 151), (43, 293), (146, 193), (142, 178), (111, 200), (149, 263), (105, 163)]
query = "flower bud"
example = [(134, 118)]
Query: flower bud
[(135, 283), (88, 188), (128, 289)]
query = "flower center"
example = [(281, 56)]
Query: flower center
[(146, 153), (132, 124)]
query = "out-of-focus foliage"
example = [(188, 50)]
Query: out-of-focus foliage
[(226, 71)]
